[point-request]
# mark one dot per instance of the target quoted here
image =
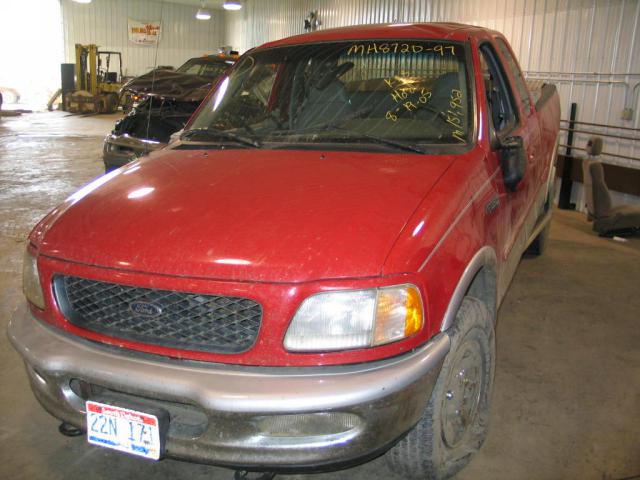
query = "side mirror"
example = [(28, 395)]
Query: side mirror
[(513, 162)]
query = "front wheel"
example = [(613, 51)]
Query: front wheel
[(455, 421)]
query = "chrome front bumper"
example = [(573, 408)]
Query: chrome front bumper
[(266, 418), (119, 150)]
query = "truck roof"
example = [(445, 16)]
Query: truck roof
[(443, 30)]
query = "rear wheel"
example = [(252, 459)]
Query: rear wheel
[(539, 244), (455, 422), (109, 103)]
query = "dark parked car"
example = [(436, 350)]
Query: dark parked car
[(163, 102)]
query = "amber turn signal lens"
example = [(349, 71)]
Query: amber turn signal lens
[(398, 313), (414, 320)]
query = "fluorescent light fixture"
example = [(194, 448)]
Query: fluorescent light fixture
[(82, 1), (232, 5), (203, 14)]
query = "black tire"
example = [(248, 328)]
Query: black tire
[(539, 244), (108, 103), (429, 451)]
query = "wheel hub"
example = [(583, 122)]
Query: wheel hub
[(462, 393)]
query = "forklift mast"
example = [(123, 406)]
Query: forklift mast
[(87, 68)]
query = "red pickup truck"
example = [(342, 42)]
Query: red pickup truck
[(311, 275)]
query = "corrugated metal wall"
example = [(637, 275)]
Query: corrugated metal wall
[(565, 41), (104, 22)]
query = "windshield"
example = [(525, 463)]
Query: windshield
[(204, 68), (402, 93)]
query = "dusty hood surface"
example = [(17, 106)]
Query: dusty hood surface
[(267, 215), (170, 84)]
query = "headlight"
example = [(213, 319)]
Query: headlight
[(355, 319), (31, 280)]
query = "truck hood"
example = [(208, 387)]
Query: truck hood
[(172, 85), (255, 215)]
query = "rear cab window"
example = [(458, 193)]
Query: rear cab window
[(411, 91)]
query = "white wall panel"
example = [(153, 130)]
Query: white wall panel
[(28, 63), (589, 48), (104, 22)]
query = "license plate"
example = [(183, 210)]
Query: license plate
[(122, 429)]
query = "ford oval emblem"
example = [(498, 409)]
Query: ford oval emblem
[(145, 309)]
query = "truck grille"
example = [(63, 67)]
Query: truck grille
[(189, 321)]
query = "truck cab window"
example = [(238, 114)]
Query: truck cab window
[(367, 94), (521, 86), (498, 94)]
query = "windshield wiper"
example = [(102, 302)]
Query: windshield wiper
[(214, 133), (385, 141)]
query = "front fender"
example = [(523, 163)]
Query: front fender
[(486, 259)]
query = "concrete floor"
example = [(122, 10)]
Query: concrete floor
[(566, 401)]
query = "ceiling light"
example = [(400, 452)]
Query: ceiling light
[(203, 14), (82, 1), (232, 5)]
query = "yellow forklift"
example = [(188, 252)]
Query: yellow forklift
[(96, 86)]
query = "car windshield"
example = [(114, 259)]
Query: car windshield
[(400, 93), (203, 68)]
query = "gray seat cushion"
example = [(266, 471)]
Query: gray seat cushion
[(622, 217), (327, 101), (609, 219)]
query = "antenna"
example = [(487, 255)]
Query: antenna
[(153, 73)]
